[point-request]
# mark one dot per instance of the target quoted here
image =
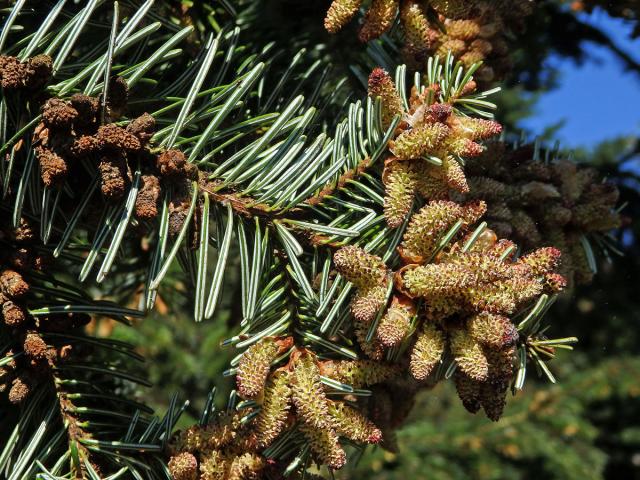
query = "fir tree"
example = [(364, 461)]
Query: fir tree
[(150, 148)]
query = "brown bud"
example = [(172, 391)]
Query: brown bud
[(35, 346), (142, 127), (85, 145), (58, 114), (40, 68), (87, 108), (53, 168), (174, 164), (12, 284), (14, 315), (112, 137), (148, 197), (21, 387), (114, 176), (118, 96)]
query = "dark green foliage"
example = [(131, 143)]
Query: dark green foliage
[(585, 428)]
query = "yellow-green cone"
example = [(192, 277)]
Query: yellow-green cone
[(454, 175), (183, 466), (469, 356), (542, 260), (416, 30), (373, 348), (254, 367), (272, 418), (359, 267), (394, 325), (431, 222), (367, 302), (359, 373), (419, 141), (340, 13), (381, 85), (350, 423), (308, 394), (378, 19), (401, 182), (247, 466), (427, 351), (324, 444), (215, 466), (493, 331)]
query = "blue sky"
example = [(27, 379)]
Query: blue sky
[(598, 99)]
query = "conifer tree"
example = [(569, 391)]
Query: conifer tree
[(379, 243)]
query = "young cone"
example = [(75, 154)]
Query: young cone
[(308, 394), (273, 415), (254, 367), (324, 444), (469, 356), (493, 331), (340, 13), (427, 351), (353, 425), (378, 19), (381, 85)]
